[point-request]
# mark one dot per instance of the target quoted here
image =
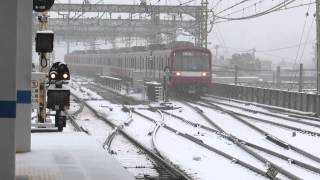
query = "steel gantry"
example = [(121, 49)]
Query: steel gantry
[(150, 24)]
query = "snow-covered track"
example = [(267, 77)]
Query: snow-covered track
[(74, 123), (236, 141), (252, 117), (72, 116), (212, 149), (116, 98), (254, 146), (165, 167), (289, 112), (302, 120), (268, 136)]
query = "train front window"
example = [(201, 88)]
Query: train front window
[(191, 61)]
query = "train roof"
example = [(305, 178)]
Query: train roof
[(151, 47)]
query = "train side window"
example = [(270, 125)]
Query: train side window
[(156, 63), (161, 63), (132, 62), (146, 64)]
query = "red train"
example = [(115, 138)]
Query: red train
[(189, 66)]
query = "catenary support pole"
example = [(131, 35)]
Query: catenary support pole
[(318, 44), (301, 78), (8, 46), (23, 76), (278, 79), (235, 75)]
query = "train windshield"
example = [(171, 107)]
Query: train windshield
[(191, 61)]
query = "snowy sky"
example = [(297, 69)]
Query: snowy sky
[(277, 30)]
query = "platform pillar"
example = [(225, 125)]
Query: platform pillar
[(8, 46), (23, 76)]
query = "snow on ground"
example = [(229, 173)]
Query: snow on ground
[(189, 156), (199, 161), (275, 119), (252, 106), (231, 125), (303, 141), (257, 106), (132, 158), (127, 154)]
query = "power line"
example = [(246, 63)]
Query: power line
[(273, 9), (283, 48), (282, 9), (237, 4)]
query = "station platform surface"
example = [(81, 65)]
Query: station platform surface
[(68, 156)]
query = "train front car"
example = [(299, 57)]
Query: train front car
[(191, 70)]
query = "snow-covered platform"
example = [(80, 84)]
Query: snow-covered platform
[(68, 156)]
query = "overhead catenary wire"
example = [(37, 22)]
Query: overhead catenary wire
[(270, 10)]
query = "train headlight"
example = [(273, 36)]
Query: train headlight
[(204, 74), (178, 73)]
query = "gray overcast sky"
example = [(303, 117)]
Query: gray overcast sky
[(277, 30)]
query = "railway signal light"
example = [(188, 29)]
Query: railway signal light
[(42, 5), (53, 75), (58, 96), (59, 72), (65, 76)]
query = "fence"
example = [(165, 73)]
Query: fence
[(300, 79), (286, 99)]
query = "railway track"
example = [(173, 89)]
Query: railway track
[(289, 112), (72, 119), (268, 136), (272, 139), (186, 136), (286, 114), (252, 145), (210, 148), (246, 146), (111, 96), (164, 168), (304, 122), (289, 127), (272, 166)]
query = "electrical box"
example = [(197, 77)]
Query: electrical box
[(58, 98), (44, 41), (36, 79)]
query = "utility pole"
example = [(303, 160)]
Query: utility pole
[(204, 24), (236, 75), (301, 78), (217, 49), (318, 44)]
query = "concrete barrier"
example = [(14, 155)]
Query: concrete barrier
[(287, 99)]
